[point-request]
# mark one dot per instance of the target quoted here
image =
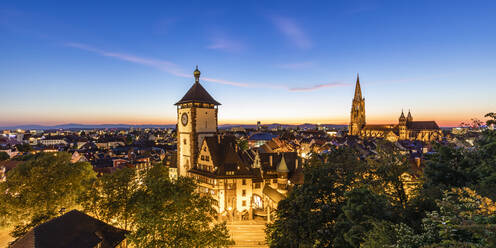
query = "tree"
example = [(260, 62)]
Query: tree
[(362, 209), (24, 147), (492, 120), (4, 156), (450, 167), (464, 219), (41, 188), (458, 167), (172, 214), (306, 218), (129, 139), (390, 170), (108, 198)]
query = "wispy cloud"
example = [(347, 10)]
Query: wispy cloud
[(159, 64), (245, 85), (173, 69), (220, 41), (298, 65), (292, 31), (319, 86)]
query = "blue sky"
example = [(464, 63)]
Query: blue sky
[(274, 61)]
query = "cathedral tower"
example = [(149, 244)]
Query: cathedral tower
[(196, 119), (402, 126), (357, 111), (409, 118)]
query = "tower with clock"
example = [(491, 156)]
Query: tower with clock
[(196, 119)]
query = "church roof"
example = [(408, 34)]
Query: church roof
[(422, 125), (197, 93), (378, 127)]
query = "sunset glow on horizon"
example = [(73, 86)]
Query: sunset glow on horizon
[(274, 62)]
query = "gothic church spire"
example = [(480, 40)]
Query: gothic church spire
[(358, 89)]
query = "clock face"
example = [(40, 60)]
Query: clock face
[(184, 119)]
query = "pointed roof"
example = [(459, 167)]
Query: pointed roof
[(402, 116), (358, 89), (197, 93), (409, 117), (282, 167), (73, 229)]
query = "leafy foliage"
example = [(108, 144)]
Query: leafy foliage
[(40, 188), (4, 156), (171, 214), (108, 198), (158, 212), (24, 147), (362, 209), (304, 219), (385, 201)]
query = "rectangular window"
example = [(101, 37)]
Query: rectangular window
[(257, 185), (243, 203), (243, 181), (244, 192), (207, 158)]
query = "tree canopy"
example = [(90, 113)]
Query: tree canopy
[(40, 188), (4, 156), (384, 200), (172, 214)]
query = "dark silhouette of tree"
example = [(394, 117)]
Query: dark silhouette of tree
[(306, 218), (4, 156)]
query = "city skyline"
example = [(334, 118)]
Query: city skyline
[(60, 66)]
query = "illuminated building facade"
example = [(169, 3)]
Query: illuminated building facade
[(243, 183), (406, 129)]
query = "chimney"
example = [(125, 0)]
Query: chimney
[(270, 160)]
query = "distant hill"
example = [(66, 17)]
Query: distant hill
[(110, 126), (276, 125), (84, 126)]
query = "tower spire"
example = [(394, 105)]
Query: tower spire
[(196, 73), (402, 116), (409, 118), (358, 89)]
